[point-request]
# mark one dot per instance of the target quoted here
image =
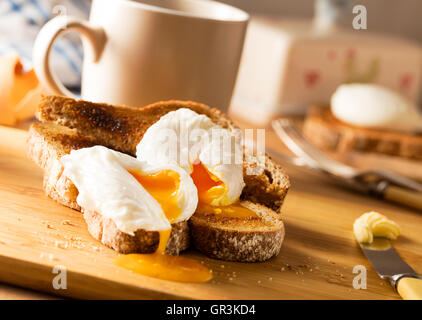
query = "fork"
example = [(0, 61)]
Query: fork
[(380, 183)]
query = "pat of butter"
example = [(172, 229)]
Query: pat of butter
[(373, 224), (20, 91)]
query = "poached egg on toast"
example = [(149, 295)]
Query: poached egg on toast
[(218, 228)]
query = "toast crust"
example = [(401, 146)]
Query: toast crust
[(46, 144), (327, 132), (105, 230), (121, 128), (117, 127), (269, 187)]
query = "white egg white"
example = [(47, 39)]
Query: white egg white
[(374, 106), (105, 186)]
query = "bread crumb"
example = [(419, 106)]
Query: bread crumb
[(67, 223), (50, 256), (61, 244)]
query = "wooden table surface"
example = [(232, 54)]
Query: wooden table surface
[(9, 292), (319, 252)]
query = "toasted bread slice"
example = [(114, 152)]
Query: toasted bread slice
[(323, 129), (234, 239), (121, 128), (117, 127), (46, 144)]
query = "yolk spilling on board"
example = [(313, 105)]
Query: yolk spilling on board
[(163, 187)]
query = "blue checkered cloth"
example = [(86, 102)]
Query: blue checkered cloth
[(21, 20)]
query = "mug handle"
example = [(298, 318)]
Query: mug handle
[(91, 35)]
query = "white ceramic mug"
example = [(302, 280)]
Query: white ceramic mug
[(140, 52)]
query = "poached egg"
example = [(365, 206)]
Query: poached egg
[(132, 193), (210, 154), (374, 106)]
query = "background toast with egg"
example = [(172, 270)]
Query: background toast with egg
[(121, 128), (330, 134)]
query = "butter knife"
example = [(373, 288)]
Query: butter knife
[(389, 266)]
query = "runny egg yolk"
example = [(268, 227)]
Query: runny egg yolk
[(211, 188), (208, 185), (163, 187)]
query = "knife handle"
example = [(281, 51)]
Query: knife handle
[(410, 288), (404, 196)]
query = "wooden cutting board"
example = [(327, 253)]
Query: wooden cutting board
[(316, 261)]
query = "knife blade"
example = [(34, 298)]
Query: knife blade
[(390, 266)]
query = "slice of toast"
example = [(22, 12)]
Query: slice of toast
[(234, 239), (323, 129), (117, 127), (121, 128), (46, 144)]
